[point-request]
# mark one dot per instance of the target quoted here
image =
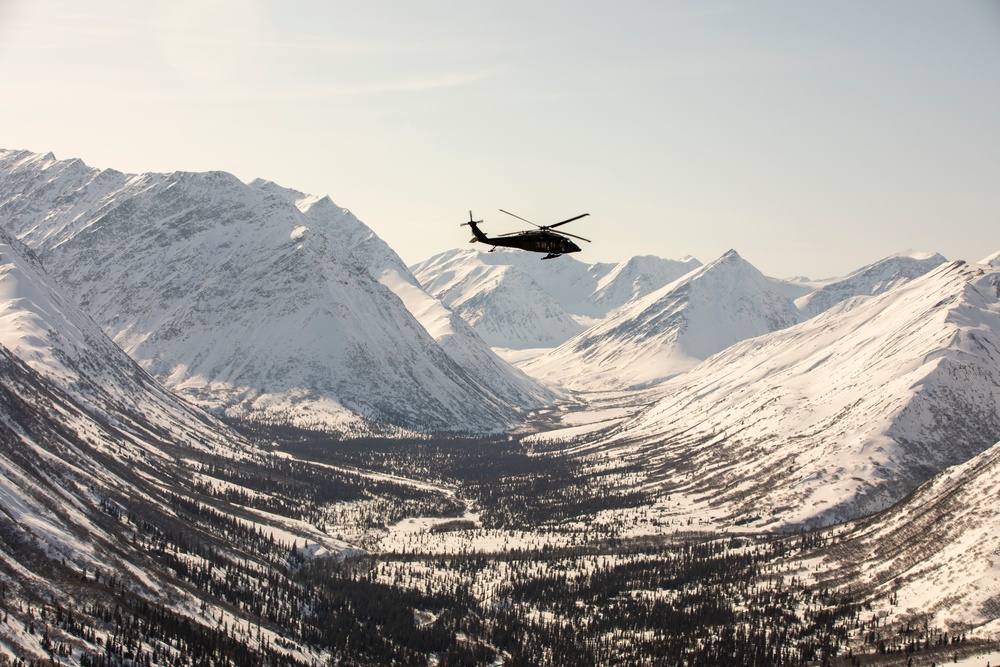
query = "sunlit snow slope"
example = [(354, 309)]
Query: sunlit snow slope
[(514, 300), (451, 332), (839, 416), (672, 329), (870, 280), (238, 299)]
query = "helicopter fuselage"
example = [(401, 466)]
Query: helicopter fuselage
[(534, 240)]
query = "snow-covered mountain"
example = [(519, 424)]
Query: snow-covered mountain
[(634, 278), (514, 300), (85, 435), (671, 329), (836, 417), (503, 304), (870, 280), (451, 332), (122, 505), (248, 299)]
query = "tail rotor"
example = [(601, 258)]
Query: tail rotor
[(471, 221), (477, 235)]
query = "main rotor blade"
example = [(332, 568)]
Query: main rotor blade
[(573, 235), (565, 221), (520, 218)]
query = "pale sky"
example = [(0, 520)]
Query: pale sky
[(812, 137)]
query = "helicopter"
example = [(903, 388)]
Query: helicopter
[(542, 239)]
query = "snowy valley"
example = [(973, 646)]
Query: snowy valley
[(237, 429)]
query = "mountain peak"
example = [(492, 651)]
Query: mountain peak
[(216, 288), (920, 255), (671, 329)]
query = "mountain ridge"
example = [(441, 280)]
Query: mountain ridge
[(517, 302), (234, 297), (870, 280), (670, 330), (842, 414)]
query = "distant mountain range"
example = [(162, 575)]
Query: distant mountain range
[(671, 329), (266, 304), (515, 301), (639, 322)]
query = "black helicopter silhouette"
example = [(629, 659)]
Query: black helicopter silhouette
[(542, 239)]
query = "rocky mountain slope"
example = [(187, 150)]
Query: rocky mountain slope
[(236, 298), (933, 556), (836, 417), (107, 487)]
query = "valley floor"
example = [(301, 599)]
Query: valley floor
[(527, 538), (517, 550)]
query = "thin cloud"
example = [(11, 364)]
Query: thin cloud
[(336, 89)]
